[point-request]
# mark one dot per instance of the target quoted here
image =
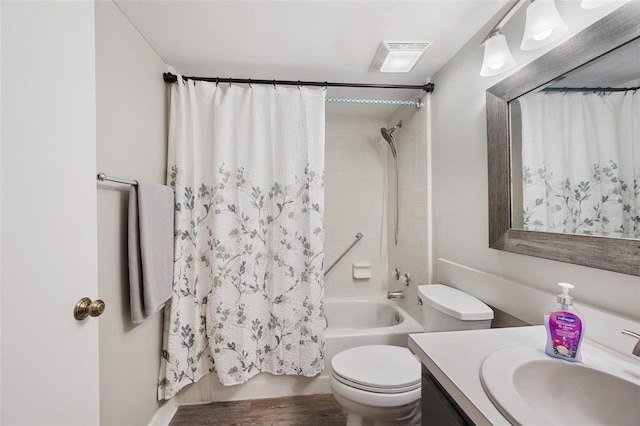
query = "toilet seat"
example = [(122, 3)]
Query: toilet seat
[(375, 389), (364, 398), (378, 368)]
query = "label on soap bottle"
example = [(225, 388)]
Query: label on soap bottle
[(565, 329)]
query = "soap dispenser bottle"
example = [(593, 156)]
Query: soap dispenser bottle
[(565, 327)]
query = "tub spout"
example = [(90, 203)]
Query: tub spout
[(395, 294)]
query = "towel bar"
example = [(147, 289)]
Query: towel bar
[(102, 177)]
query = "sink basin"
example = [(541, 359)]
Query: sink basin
[(531, 388)]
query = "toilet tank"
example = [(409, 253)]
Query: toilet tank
[(446, 308)]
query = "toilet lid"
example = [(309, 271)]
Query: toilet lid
[(378, 368)]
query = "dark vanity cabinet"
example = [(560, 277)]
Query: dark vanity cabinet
[(438, 408)]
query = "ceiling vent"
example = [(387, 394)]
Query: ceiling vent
[(398, 56)]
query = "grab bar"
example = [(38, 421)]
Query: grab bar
[(358, 238)]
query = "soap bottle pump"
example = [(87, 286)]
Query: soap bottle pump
[(565, 327)]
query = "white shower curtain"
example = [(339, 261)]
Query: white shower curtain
[(247, 165), (581, 163)]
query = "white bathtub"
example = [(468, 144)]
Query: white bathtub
[(351, 323), (359, 322)]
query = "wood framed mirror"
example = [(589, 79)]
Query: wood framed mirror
[(614, 254)]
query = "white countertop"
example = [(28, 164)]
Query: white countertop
[(455, 357)]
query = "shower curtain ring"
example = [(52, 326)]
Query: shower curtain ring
[(249, 83), (217, 81), (326, 86), (299, 85), (274, 84)]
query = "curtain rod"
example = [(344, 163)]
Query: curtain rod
[(172, 78)]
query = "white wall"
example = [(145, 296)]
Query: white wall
[(460, 224), (131, 143), (355, 190)]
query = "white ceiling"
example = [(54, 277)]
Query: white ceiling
[(307, 40)]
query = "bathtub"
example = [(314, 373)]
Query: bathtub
[(359, 322), (350, 323)]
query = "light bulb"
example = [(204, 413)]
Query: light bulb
[(592, 4), (542, 35)]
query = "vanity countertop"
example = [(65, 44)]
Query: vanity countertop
[(455, 357)]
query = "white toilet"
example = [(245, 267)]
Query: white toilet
[(379, 385)]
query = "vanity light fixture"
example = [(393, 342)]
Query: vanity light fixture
[(543, 26), (497, 56), (398, 57)]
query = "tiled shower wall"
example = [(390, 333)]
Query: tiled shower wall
[(412, 253), (356, 176), (359, 188)]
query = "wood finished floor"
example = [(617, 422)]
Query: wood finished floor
[(308, 410)]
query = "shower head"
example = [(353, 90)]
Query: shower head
[(387, 134)]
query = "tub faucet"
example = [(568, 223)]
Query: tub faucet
[(395, 294)]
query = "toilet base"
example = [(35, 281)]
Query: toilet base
[(355, 420), (360, 415)]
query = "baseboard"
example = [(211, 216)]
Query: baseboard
[(164, 414)]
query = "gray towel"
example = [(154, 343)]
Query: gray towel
[(150, 248)]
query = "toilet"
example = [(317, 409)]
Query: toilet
[(379, 385)]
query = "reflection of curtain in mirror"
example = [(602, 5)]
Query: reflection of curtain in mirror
[(581, 163)]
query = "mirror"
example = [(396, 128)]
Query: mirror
[(575, 150), (508, 202)]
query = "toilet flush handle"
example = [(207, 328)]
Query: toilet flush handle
[(636, 349)]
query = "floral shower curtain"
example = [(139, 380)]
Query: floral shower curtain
[(247, 166), (581, 163)]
